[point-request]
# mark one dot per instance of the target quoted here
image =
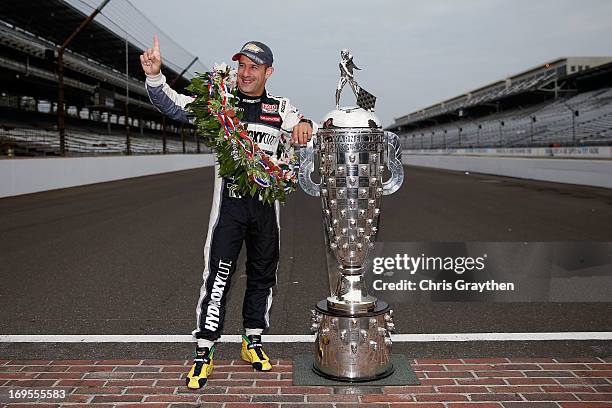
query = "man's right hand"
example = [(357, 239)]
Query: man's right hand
[(151, 59)]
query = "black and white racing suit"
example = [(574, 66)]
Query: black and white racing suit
[(234, 219)]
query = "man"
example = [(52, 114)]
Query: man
[(235, 218)]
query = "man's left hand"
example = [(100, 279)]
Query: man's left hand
[(302, 133)]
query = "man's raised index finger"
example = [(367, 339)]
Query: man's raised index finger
[(155, 42)]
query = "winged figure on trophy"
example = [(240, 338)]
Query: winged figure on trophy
[(365, 99), (351, 150)]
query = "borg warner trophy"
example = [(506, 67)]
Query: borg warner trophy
[(353, 341)]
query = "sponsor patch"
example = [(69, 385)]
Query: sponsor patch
[(252, 47), (267, 118), (250, 100), (269, 108)]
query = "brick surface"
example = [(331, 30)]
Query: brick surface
[(224, 398), (119, 362), (522, 367), (569, 388), (98, 390), (166, 363), (518, 388), (568, 366), (495, 397), (586, 380), (438, 381), (409, 389), (133, 383), (600, 366), (305, 405), (90, 369), (277, 398), (73, 362), (462, 389), (387, 398), (481, 381), (578, 360), (333, 398), (306, 390), (594, 397), (485, 360), (44, 369), (60, 376), (553, 374), (450, 374), (445, 383), (534, 381), (418, 405), (550, 396), (81, 383), (172, 398), (441, 397), (116, 398), (149, 390), (531, 360), (428, 367)]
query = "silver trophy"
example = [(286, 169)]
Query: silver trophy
[(352, 328)]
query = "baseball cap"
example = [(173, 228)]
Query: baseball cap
[(257, 51)]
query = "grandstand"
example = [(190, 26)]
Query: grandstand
[(565, 102), (106, 104)]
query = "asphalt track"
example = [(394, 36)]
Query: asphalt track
[(125, 257)]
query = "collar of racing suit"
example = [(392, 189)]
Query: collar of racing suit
[(250, 99)]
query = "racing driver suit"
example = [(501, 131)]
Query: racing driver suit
[(234, 218)]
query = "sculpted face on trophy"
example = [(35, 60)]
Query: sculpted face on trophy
[(351, 151)]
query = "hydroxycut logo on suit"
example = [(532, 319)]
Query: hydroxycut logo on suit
[(212, 312), (266, 137)]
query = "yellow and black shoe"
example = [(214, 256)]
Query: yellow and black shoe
[(201, 369), (252, 352)]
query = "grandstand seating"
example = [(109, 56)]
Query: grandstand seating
[(555, 124), (36, 135), (102, 79)]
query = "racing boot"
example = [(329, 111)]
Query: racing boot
[(252, 352), (201, 369)]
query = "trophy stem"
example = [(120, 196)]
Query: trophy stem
[(351, 296)]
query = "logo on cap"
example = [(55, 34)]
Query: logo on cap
[(252, 47)]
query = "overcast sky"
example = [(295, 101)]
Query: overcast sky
[(412, 53)]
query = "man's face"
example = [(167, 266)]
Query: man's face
[(252, 77)]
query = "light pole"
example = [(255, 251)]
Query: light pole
[(61, 112), (574, 113)]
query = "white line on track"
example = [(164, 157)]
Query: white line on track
[(299, 338)]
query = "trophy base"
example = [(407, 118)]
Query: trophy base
[(353, 348)]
